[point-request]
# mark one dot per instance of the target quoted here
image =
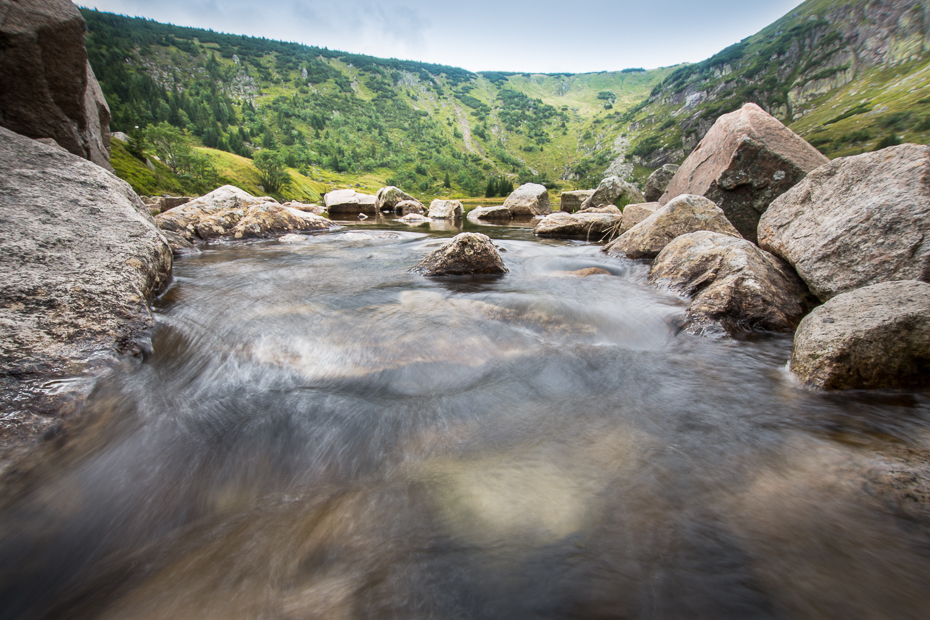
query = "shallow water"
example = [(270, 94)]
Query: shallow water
[(320, 434)]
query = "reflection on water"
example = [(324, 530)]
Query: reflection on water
[(321, 434)]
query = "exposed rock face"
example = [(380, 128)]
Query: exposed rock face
[(406, 207), (871, 338), (300, 206), (529, 199), (856, 221), (349, 202), (165, 203), (605, 209), (746, 160), (490, 214), (685, 214), (733, 283), (658, 182), (634, 214), (588, 226), (466, 254), (569, 202), (47, 88), (229, 212), (81, 257), (613, 191), (388, 197), (445, 210)]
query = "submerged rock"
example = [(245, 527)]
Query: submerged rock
[(349, 202), (466, 254), (529, 199), (875, 337), (588, 226), (388, 197), (658, 182), (613, 191), (856, 221), (569, 202), (445, 210)]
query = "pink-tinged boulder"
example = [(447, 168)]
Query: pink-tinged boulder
[(746, 161), (856, 221)]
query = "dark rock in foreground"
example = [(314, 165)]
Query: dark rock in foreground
[(871, 338), (466, 254)]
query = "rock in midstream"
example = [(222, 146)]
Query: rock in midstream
[(466, 254)]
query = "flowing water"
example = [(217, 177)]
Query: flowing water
[(320, 434)]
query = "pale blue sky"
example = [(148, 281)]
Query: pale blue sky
[(483, 35)]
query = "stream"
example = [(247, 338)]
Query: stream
[(318, 433)]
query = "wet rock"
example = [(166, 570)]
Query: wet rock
[(611, 209), (590, 271), (490, 214), (308, 208), (178, 244), (733, 284), (406, 207), (875, 337), (569, 202), (683, 215), (529, 199), (292, 239), (414, 218), (588, 226), (634, 214), (746, 160), (613, 191), (349, 202), (466, 254), (445, 210), (856, 221), (388, 197), (81, 258), (47, 88), (658, 182)]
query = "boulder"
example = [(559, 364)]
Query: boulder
[(165, 203), (569, 202), (658, 182), (466, 254), (47, 87), (613, 191), (349, 202), (746, 160), (733, 284), (587, 226), (856, 221), (685, 214), (406, 207), (490, 214), (81, 258), (445, 210), (611, 209), (530, 199), (634, 214), (388, 197), (414, 219), (300, 206), (877, 337)]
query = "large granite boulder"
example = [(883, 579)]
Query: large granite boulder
[(349, 202), (685, 214), (81, 258), (746, 160), (634, 214), (875, 337), (569, 202), (406, 207), (445, 210), (658, 182), (856, 221), (588, 226), (466, 254), (491, 214), (613, 191), (733, 284), (387, 198), (47, 88), (530, 199)]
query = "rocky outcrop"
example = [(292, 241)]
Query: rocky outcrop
[(588, 226), (733, 284), (613, 191), (529, 199), (349, 202), (634, 214), (81, 258), (466, 254), (47, 88), (231, 213), (856, 221), (875, 337), (569, 202), (445, 210), (746, 161), (406, 207), (685, 214), (658, 182), (388, 197), (491, 214)]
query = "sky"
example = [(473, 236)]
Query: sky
[(545, 36)]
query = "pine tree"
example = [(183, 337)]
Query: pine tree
[(446, 182)]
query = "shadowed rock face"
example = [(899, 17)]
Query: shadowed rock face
[(389, 197), (746, 160), (47, 88), (611, 191), (658, 182), (466, 254), (569, 202), (871, 338), (406, 207), (856, 221)]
